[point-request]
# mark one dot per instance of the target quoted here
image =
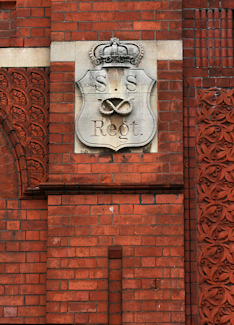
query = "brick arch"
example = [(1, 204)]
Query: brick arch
[(12, 154)]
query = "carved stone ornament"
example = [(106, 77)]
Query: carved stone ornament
[(116, 110)]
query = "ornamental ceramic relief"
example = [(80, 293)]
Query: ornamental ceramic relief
[(116, 111), (215, 178), (24, 98)]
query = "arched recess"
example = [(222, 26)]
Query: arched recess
[(18, 153)]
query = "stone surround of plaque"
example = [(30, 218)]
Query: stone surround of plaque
[(116, 108)]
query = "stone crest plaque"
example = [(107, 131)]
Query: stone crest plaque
[(116, 110)]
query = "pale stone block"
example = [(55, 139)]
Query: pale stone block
[(62, 51), (83, 64), (116, 113), (169, 50), (78, 52), (24, 57)]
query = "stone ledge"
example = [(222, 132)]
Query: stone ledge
[(76, 188), (66, 51), (24, 57)]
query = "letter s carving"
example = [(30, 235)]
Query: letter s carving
[(100, 83), (131, 83)]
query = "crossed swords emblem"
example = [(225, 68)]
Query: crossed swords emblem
[(117, 105)]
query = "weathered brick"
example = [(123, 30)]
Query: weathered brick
[(148, 226)]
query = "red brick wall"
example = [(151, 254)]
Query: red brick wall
[(8, 19), (163, 168), (101, 20), (26, 23), (23, 261), (133, 202), (134, 20), (8, 170), (23, 230), (148, 227)]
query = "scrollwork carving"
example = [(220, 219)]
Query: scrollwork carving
[(38, 79), (24, 98), (19, 114), (3, 98), (37, 148), (18, 97), (19, 79), (21, 131), (3, 81), (216, 264), (37, 131), (37, 96), (36, 167), (215, 187), (37, 114), (217, 305)]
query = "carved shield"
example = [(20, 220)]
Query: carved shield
[(116, 110)]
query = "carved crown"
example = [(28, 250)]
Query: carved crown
[(116, 54)]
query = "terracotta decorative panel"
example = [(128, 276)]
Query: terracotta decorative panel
[(215, 178), (24, 99)]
